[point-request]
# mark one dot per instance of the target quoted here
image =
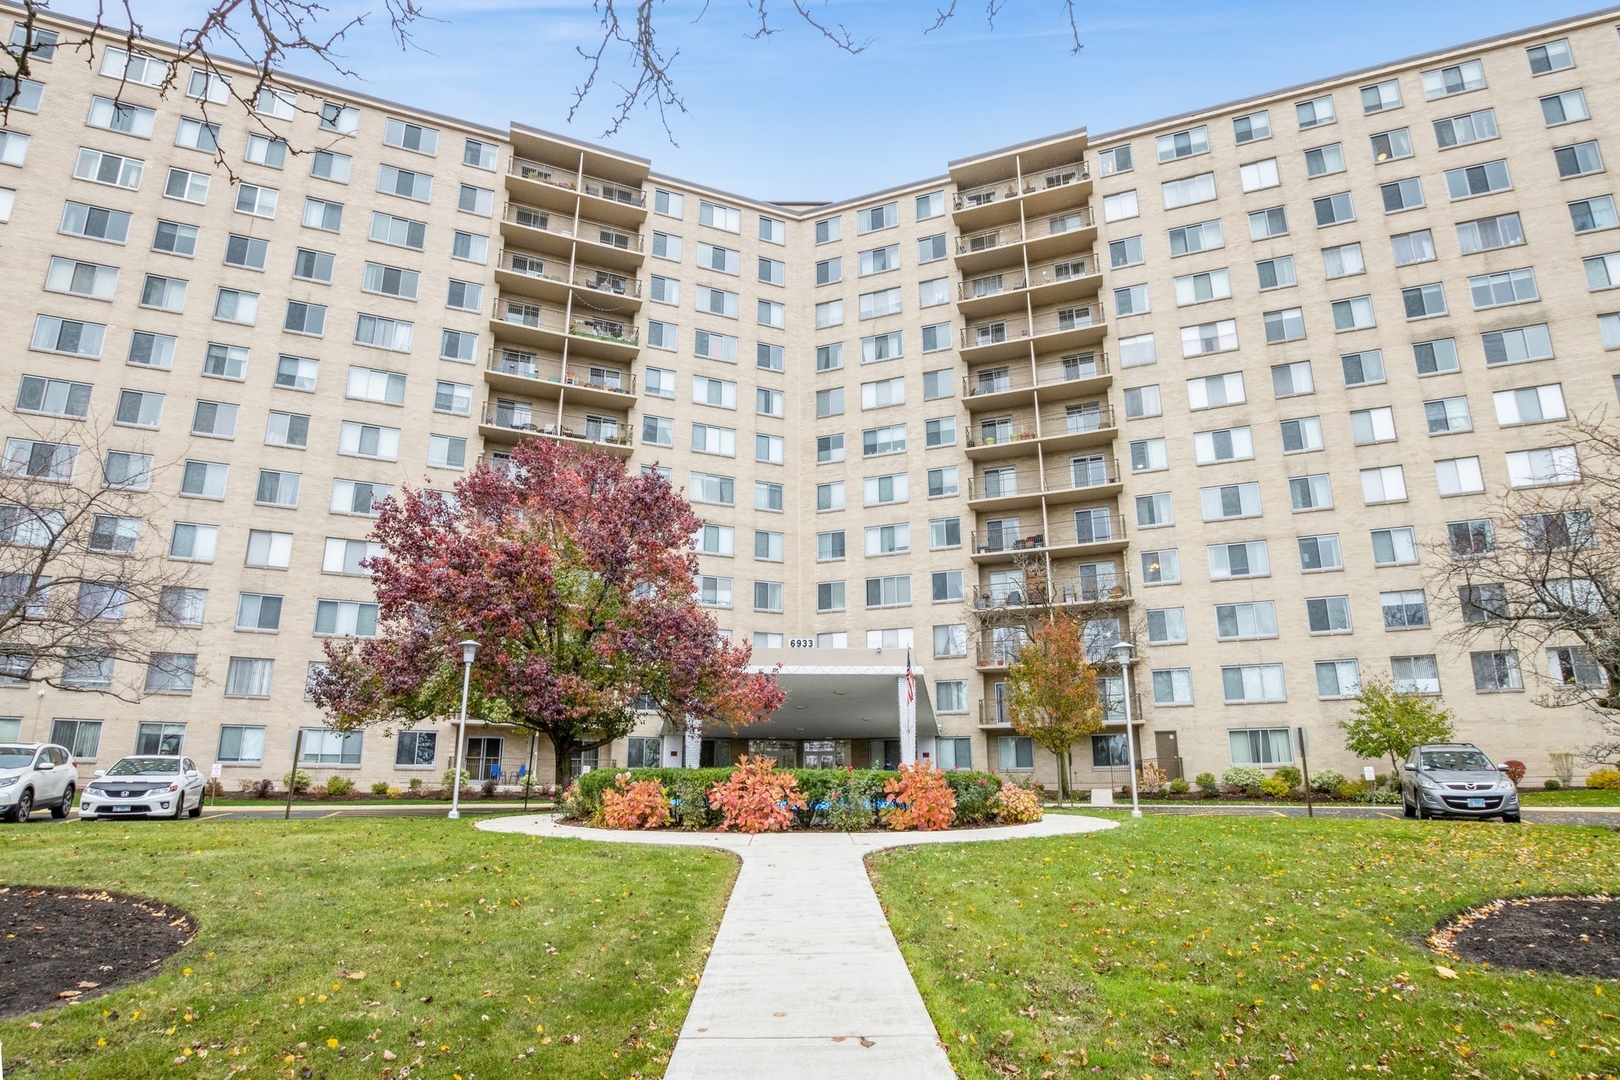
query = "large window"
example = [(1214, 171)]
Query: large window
[(1261, 746), (323, 746), (1015, 753)]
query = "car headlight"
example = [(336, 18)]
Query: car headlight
[(8, 781), (1425, 781)]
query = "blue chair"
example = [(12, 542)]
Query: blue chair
[(494, 770)]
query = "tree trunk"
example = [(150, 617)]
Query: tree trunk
[(562, 749), (1063, 777)]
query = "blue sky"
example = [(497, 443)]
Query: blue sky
[(791, 118)]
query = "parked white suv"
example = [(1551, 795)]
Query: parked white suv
[(34, 775)]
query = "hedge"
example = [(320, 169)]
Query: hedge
[(973, 789)]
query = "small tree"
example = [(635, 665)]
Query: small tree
[(1052, 692), (1389, 722)]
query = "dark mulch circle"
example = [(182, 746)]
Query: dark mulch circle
[(61, 945), (1567, 935)]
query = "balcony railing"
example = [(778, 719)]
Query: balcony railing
[(524, 313), (1012, 187), (615, 330), (1053, 424), (1100, 527), (549, 221), (522, 419), (1110, 587), (997, 331), (1079, 475), (989, 238), (993, 713), (1008, 281), (533, 265), (1076, 368), (568, 180), (551, 370)]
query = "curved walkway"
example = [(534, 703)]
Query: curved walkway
[(805, 981)]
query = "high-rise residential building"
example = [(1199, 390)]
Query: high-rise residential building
[(1220, 385)]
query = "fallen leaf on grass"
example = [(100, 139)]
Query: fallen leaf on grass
[(1444, 972)]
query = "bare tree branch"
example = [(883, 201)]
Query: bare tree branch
[(942, 16)]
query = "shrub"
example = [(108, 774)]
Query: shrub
[(1017, 805), (1604, 780), (975, 796), (1151, 780), (1514, 769), (453, 778), (1327, 781), (298, 780), (380, 788), (214, 788), (756, 798), (1179, 786), (1243, 777), (635, 804), (262, 788), (569, 807), (1207, 783), (488, 788), (854, 802), (1275, 788), (1352, 789), (1288, 775), (415, 785), (690, 804), (923, 799), (1563, 766), (1552, 785), (338, 786)]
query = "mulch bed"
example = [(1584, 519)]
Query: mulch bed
[(1567, 935), (62, 945)]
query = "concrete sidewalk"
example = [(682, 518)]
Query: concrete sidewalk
[(805, 980)]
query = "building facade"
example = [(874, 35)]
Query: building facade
[(1217, 384)]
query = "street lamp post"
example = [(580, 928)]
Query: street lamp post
[(1124, 650), (469, 651)]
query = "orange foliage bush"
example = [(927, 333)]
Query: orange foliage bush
[(1017, 805), (638, 805), (923, 799), (756, 798)]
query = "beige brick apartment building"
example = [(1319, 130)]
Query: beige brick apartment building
[(1217, 383)]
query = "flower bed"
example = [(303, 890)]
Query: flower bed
[(755, 796)]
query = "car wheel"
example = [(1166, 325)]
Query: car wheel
[(24, 807), (60, 810), (180, 806), (1407, 809), (1511, 819), (196, 811)]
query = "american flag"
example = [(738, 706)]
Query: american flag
[(911, 681)]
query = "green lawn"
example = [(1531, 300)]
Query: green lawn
[(474, 947), (1570, 797), (1223, 947)]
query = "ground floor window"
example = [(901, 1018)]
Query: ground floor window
[(323, 746), (950, 696), (483, 758), (159, 738), (416, 747), (954, 753), (81, 737), (1017, 752), (1109, 751), (581, 760), (10, 728), (241, 743), (1261, 746), (644, 753)]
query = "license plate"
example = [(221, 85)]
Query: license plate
[(1476, 804), (124, 809)]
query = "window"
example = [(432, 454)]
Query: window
[(256, 201), (1424, 301), (1167, 626), (394, 334), (323, 747), (447, 452), (1363, 368), (1412, 247), (1149, 455), (657, 430), (1172, 686), (1285, 325), (1238, 560), (1530, 405), (1476, 537), (1355, 313), (717, 216), (1318, 553), (96, 223), (172, 237), (204, 479), (100, 167), (1590, 215), (1015, 753), (1188, 190), (1381, 97), (390, 281), (1474, 180), (398, 231), (54, 397), (287, 429), (1394, 547), (1496, 672), (1565, 108), (85, 279), (1214, 391), (1456, 79), (1508, 287), (1387, 484), (1276, 273), (1333, 209), (1324, 160), (1399, 195), (943, 481), (1313, 492), (885, 490), (1251, 128), (270, 550), (1133, 299), (1436, 357), (1404, 610), (258, 612), (767, 496), (162, 293), (1315, 113), (296, 373), (1205, 236), (1226, 444), (876, 304), (880, 347), (121, 64), (357, 497), (669, 203), (1391, 146), (1230, 501), (1328, 614), (1192, 289), (1142, 401), (1263, 174), (130, 472), (197, 135), (114, 115), (1206, 338), (39, 460), (214, 420), (707, 439), (1482, 603), (1536, 468), (193, 543), (1569, 667), (237, 306), (1462, 130), (1253, 683), (1114, 160), (1447, 416), (1238, 622), (1264, 224), (238, 744), (1162, 567), (1512, 346), (1183, 144), (1154, 511), (1289, 380)]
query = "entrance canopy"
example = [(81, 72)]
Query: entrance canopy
[(840, 694)]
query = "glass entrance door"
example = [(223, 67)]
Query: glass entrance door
[(483, 754)]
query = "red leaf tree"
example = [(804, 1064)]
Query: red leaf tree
[(574, 574)]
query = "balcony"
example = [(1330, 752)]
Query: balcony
[(530, 274), (1051, 331), (508, 422), (1049, 283), (1076, 375), (993, 714), (1104, 588), (1096, 531), (1039, 192), (1073, 232), (1010, 489), (548, 377), (1072, 429), (553, 233), (556, 187), (545, 328)]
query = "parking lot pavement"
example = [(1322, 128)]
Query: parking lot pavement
[(1535, 815)]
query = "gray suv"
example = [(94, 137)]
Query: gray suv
[(1456, 780)]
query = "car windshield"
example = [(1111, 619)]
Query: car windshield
[(15, 757), (144, 766), (1457, 761)]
